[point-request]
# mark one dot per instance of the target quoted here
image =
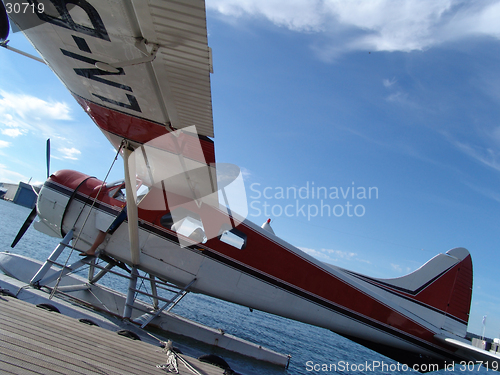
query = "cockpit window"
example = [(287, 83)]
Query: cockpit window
[(117, 190)]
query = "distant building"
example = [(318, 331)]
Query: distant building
[(470, 336), (21, 194), (10, 190), (25, 195)]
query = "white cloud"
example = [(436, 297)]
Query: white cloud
[(389, 82), (375, 25), (333, 256), (495, 135), (295, 15), (341, 254), (474, 18), (21, 114), (69, 153), (312, 252), (27, 115), (12, 132), (398, 96), (392, 25), (404, 99), (399, 269), (485, 155), (396, 267), (31, 107), (9, 176), (245, 173), (487, 192)]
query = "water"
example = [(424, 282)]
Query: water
[(306, 344)]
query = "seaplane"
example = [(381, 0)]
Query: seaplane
[(141, 71)]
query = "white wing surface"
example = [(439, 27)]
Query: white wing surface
[(138, 67)]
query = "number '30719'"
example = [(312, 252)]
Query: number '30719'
[(24, 8)]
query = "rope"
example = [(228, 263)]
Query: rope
[(172, 358), (187, 364), (85, 221)]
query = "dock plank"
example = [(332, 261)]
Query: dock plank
[(8, 368), (88, 343), (29, 362), (37, 341), (26, 351)]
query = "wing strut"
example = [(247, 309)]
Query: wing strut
[(133, 226), (132, 214), (4, 45)]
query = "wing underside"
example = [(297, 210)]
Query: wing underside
[(147, 59)]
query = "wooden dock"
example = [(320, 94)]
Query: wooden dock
[(37, 341)]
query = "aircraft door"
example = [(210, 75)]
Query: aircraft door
[(51, 205)]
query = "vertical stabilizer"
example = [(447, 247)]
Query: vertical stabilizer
[(441, 286)]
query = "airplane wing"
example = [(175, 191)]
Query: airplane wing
[(141, 71), (138, 67)]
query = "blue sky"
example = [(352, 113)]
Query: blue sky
[(400, 97)]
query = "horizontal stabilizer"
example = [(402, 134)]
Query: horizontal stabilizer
[(489, 360)]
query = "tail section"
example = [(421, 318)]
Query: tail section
[(441, 286)]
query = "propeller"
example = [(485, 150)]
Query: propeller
[(32, 214), (25, 227), (47, 147)]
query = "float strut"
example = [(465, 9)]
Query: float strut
[(51, 259), (129, 303)]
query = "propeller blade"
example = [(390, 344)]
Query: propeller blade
[(48, 157), (25, 227)]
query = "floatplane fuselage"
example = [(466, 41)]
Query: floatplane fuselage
[(398, 317)]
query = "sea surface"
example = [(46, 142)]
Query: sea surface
[(311, 348)]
